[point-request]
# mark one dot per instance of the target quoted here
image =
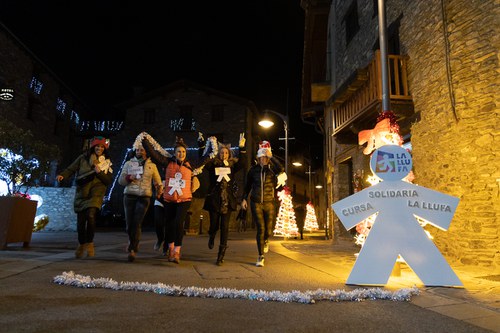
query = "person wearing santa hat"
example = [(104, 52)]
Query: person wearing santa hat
[(94, 175), (261, 184)]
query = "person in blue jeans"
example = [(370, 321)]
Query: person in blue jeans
[(138, 175), (261, 183)]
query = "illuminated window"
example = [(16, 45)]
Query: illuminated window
[(75, 117), (61, 106), (36, 85), (185, 122)]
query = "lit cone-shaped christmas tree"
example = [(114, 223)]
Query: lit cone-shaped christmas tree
[(286, 226), (311, 222)]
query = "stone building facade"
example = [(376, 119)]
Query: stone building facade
[(445, 97), (183, 109), (40, 102)]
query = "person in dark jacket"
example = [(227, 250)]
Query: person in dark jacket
[(221, 199), (94, 175), (261, 182)]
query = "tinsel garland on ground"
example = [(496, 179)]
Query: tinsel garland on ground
[(307, 297)]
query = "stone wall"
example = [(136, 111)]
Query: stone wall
[(37, 112), (453, 74), (58, 205), (455, 145)]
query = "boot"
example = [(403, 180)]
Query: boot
[(131, 256), (90, 250), (170, 251), (80, 250), (211, 241), (177, 254), (220, 255)]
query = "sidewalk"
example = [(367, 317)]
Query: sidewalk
[(478, 303)]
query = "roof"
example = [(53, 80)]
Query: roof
[(182, 84)]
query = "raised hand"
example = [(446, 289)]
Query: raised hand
[(242, 140), (282, 177)]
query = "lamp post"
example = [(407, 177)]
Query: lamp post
[(266, 123)]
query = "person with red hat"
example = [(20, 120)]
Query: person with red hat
[(93, 176), (261, 182)]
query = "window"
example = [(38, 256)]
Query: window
[(36, 85), (351, 22), (149, 116), (75, 117), (218, 112), (61, 106), (185, 121)]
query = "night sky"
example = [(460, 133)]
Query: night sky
[(102, 49)]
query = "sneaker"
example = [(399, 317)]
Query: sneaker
[(158, 245), (131, 256), (260, 262), (266, 246)]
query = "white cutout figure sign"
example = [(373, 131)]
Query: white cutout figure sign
[(104, 164), (135, 169), (396, 230), (223, 173), (176, 183)]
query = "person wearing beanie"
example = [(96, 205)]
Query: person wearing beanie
[(93, 176), (221, 199), (138, 176), (260, 184)]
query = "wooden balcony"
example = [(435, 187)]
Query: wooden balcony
[(361, 96)]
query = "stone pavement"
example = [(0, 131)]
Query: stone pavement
[(478, 303)]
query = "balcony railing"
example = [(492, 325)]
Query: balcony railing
[(366, 90)]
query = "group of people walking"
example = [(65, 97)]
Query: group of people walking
[(142, 180)]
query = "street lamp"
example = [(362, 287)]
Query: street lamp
[(309, 173), (266, 123)]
